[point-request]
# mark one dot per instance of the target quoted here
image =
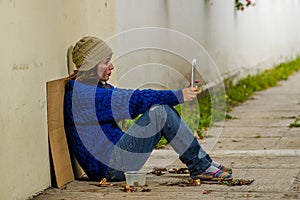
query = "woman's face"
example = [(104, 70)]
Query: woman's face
[(105, 69)]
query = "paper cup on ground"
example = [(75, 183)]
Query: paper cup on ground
[(135, 178)]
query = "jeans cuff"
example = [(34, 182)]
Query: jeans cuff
[(198, 166)]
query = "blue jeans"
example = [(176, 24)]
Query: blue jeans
[(134, 148)]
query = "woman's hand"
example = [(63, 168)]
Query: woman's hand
[(189, 93)]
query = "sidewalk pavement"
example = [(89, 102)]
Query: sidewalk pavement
[(258, 144)]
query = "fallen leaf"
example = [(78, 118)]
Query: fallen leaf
[(206, 191), (128, 188), (195, 182), (146, 190), (103, 181)]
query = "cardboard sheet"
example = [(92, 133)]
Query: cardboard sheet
[(57, 137)]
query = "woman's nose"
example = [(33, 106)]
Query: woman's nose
[(111, 66)]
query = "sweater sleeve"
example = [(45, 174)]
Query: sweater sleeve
[(118, 104), (142, 100)]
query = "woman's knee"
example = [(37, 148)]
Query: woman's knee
[(160, 108)]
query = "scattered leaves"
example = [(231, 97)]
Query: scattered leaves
[(146, 190), (183, 183), (179, 171), (104, 183), (239, 182), (158, 171), (127, 188), (235, 182)]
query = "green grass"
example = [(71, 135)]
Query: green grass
[(288, 117), (235, 94), (296, 123), (246, 87)]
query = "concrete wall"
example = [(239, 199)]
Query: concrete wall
[(238, 42), (34, 38)]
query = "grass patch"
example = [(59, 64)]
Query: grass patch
[(288, 117), (162, 142), (296, 123), (246, 87)]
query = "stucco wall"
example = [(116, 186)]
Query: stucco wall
[(35, 36)]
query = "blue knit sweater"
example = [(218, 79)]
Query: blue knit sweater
[(91, 114)]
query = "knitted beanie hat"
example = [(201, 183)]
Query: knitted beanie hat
[(89, 51)]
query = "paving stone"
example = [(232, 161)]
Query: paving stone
[(255, 132)]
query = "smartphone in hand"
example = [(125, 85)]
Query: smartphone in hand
[(193, 72)]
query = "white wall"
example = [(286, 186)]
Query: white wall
[(35, 36), (238, 42)]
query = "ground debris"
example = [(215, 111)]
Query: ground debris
[(235, 182), (162, 171), (239, 182), (64, 187), (183, 183), (158, 171), (127, 188), (207, 192), (123, 186), (146, 190), (192, 182), (179, 171), (104, 183)]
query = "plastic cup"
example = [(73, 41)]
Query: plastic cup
[(135, 178)]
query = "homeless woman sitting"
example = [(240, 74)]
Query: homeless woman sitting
[(92, 109)]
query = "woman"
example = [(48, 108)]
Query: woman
[(92, 109)]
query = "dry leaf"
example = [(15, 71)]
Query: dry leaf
[(196, 135), (127, 188), (179, 171), (195, 182), (207, 191), (103, 181), (146, 190)]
